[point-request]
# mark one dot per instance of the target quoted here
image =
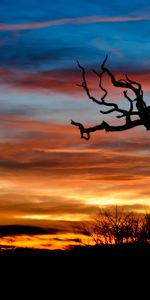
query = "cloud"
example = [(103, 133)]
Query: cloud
[(17, 110), (107, 47), (38, 150), (61, 81), (13, 230), (52, 172), (65, 81), (45, 208), (109, 167), (79, 20)]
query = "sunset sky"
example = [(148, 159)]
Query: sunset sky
[(50, 179)]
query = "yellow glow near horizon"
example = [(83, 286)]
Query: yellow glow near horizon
[(62, 217), (116, 198), (46, 241)]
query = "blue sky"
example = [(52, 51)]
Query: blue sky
[(122, 32), (56, 47)]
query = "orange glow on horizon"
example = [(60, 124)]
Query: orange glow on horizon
[(43, 242)]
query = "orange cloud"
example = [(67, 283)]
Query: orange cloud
[(60, 157), (65, 81), (55, 81), (51, 178), (80, 20)]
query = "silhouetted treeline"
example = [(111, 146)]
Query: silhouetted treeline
[(114, 226)]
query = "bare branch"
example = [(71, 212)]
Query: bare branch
[(122, 80), (107, 111), (130, 101), (116, 108), (117, 83), (133, 82), (82, 130), (85, 86), (119, 110), (100, 85), (142, 112), (105, 126)]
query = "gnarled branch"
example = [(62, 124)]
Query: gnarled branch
[(85, 132), (85, 86), (142, 112)]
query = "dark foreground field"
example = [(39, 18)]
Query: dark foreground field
[(79, 257), (124, 266)]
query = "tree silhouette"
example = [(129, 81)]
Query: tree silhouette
[(140, 115), (116, 226)]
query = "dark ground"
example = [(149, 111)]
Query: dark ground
[(103, 255), (79, 258), (104, 268)]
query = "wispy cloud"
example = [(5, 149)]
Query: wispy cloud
[(80, 20), (58, 81), (61, 81)]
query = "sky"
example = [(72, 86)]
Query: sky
[(51, 181)]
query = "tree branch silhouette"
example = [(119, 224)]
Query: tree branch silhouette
[(142, 111), (116, 226)]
